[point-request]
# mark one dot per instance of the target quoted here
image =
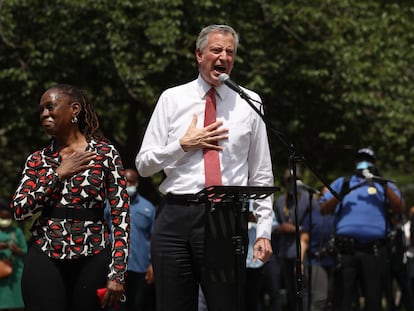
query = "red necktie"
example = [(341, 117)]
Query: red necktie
[(211, 157)]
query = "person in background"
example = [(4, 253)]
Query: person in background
[(233, 150), (271, 284), (139, 280), (399, 271), (409, 240), (361, 230), (13, 247), (285, 237), (255, 277), (318, 258), (70, 256)]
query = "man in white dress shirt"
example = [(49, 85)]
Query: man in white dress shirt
[(174, 142)]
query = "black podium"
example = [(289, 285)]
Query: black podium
[(226, 237)]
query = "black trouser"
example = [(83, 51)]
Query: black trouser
[(63, 285), (254, 283), (288, 272), (139, 294), (271, 283), (183, 257), (261, 281), (368, 268)]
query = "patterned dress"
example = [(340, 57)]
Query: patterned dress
[(40, 190)]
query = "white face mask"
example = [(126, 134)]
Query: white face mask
[(5, 223), (131, 190)]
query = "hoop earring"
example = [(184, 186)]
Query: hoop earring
[(74, 119)]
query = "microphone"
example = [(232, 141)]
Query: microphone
[(224, 78), (302, 185), (371, 177), (368, 176)]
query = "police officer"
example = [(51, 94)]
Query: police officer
[(361, 230)]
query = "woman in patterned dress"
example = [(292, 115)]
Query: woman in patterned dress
[(65, 185)]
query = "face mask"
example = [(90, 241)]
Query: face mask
[(5, 223), (363, 165), (131, 190)]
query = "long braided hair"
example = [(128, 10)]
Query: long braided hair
[(88, 122)]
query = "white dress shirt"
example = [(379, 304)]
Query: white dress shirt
[(245, 159)]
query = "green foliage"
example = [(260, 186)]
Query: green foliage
[(333, 75)]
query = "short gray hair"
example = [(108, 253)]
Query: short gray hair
[(206, 31)]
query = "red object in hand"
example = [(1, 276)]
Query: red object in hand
[(100, 292)]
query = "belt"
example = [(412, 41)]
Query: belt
[(369, 246), (69, 213), (348, 245), (184, 198)]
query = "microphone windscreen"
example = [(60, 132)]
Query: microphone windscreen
[(223, 77)]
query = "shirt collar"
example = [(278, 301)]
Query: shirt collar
[(204, 87)]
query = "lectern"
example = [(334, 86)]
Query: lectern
[(226, 238)]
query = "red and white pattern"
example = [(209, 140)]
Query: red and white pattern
[(40, 188)]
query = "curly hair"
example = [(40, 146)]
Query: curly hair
[(88, 121)]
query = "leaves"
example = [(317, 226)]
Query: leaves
[(333, 75)]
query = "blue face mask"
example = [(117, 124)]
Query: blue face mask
[(363, 165), (131, 190)]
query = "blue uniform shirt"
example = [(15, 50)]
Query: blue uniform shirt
[(142, 215), (362, 215), (322, 228)]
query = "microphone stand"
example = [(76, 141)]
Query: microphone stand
[(293, 158), (311, 193)]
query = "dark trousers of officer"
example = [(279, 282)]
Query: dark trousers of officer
[(368, 269), (183, 258)]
